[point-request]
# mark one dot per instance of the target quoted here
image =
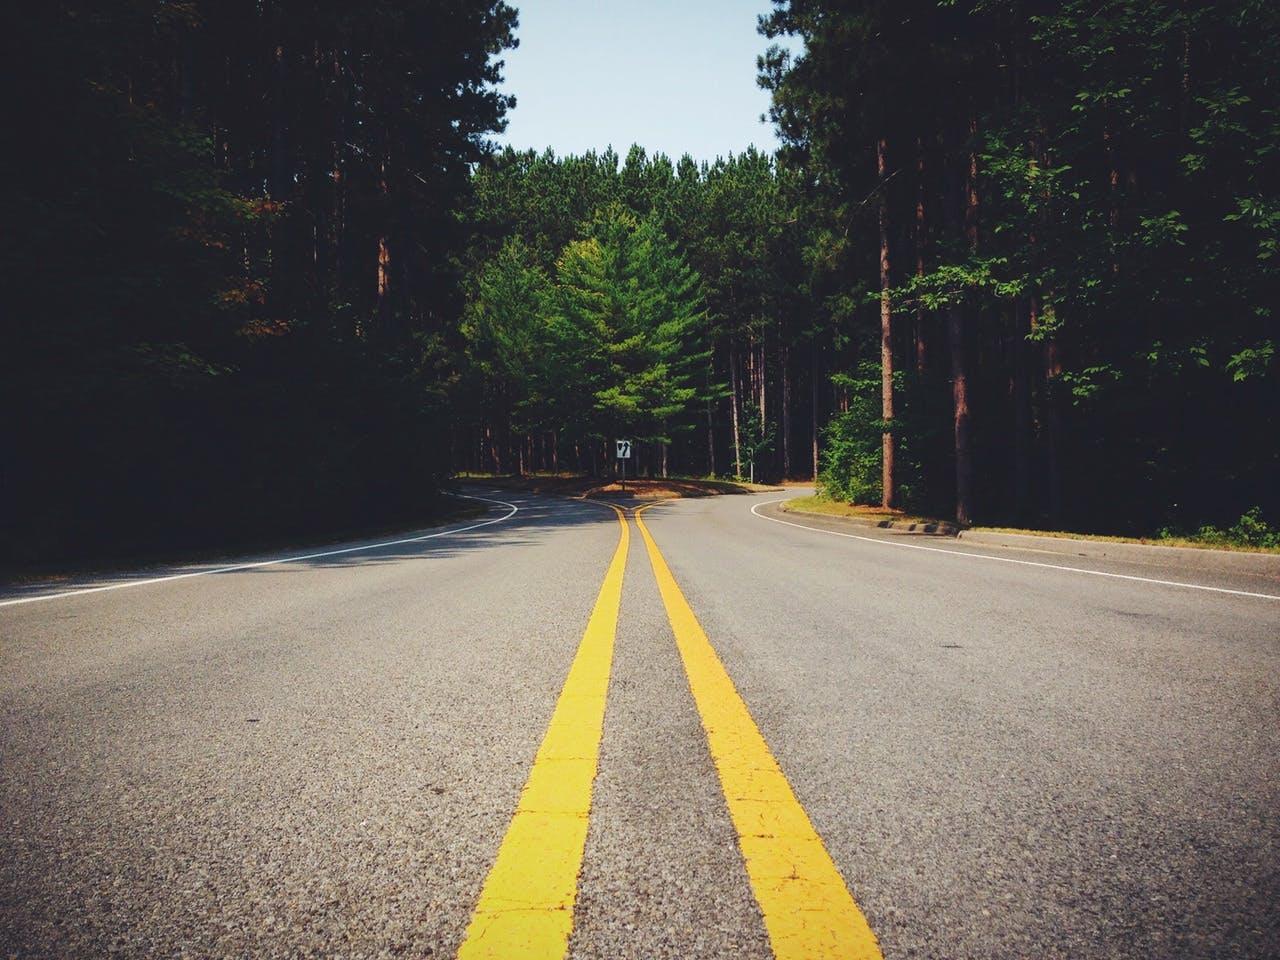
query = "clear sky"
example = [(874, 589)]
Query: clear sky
[(675, 76)]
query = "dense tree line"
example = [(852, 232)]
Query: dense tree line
[(230, 262), (1015, 262), (263, 271), (683, 279), (1059, 222)]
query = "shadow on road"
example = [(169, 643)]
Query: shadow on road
[(537, 518)]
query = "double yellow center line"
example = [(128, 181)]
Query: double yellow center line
[(526, 905)]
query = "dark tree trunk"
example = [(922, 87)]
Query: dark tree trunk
[(956, 337), (813, 408), (960, 408), (888, 498), (494, 455), (786, 413), (382, 307), (1053, 428), (711, 423), (920, 235), (1024, 322), (279, 158), (733, 396)]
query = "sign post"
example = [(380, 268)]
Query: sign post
[(624, 454)]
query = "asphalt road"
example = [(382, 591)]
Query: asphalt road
[(323, 757)]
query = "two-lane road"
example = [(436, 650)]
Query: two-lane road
[(331, 756)]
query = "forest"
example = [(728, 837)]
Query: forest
[(231, 262), (266, 270)]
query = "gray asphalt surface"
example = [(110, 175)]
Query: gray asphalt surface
[(320, 758)]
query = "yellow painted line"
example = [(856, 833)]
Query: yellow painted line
[(808, 911), (525, 911)]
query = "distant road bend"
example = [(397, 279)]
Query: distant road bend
[(699, 728)]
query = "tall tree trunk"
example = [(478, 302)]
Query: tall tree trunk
[(783, 356), (761, 368), (1184, 101), (1024, 323), (336, 224), (382, 306), (1113, 196), (733, 397), (960, 420), (888, 498), (813, 407), (711, 427), (494, 454), (315, 198), (957, 347), (971, 190), (711, 442), (279, 160), (1053, 426), (920, 234)]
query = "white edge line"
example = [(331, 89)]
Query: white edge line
[(269, 563), (1025, 563)]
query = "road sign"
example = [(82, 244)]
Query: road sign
[(624, 449)]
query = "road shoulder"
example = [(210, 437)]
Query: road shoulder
[(1201, 560), (1157, 569)]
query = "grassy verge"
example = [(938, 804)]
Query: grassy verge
[(1148, 541), (733, 486), (836, 508), (576, 485)]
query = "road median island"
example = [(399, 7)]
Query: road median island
[(642, 488)]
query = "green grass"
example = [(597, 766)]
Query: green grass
[(1147, 541), (737, 486), (835, 508)]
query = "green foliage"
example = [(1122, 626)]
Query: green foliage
[(656, 268), (193, 217), (757, 437), (505, 336), (1082, 218), (608, 347), (261, 258), (1251, 530), (852, 456), (1252, 361)]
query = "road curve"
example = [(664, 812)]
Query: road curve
[(1007, 760), (322, 756)]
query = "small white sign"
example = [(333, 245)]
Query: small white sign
[(624, 449)]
